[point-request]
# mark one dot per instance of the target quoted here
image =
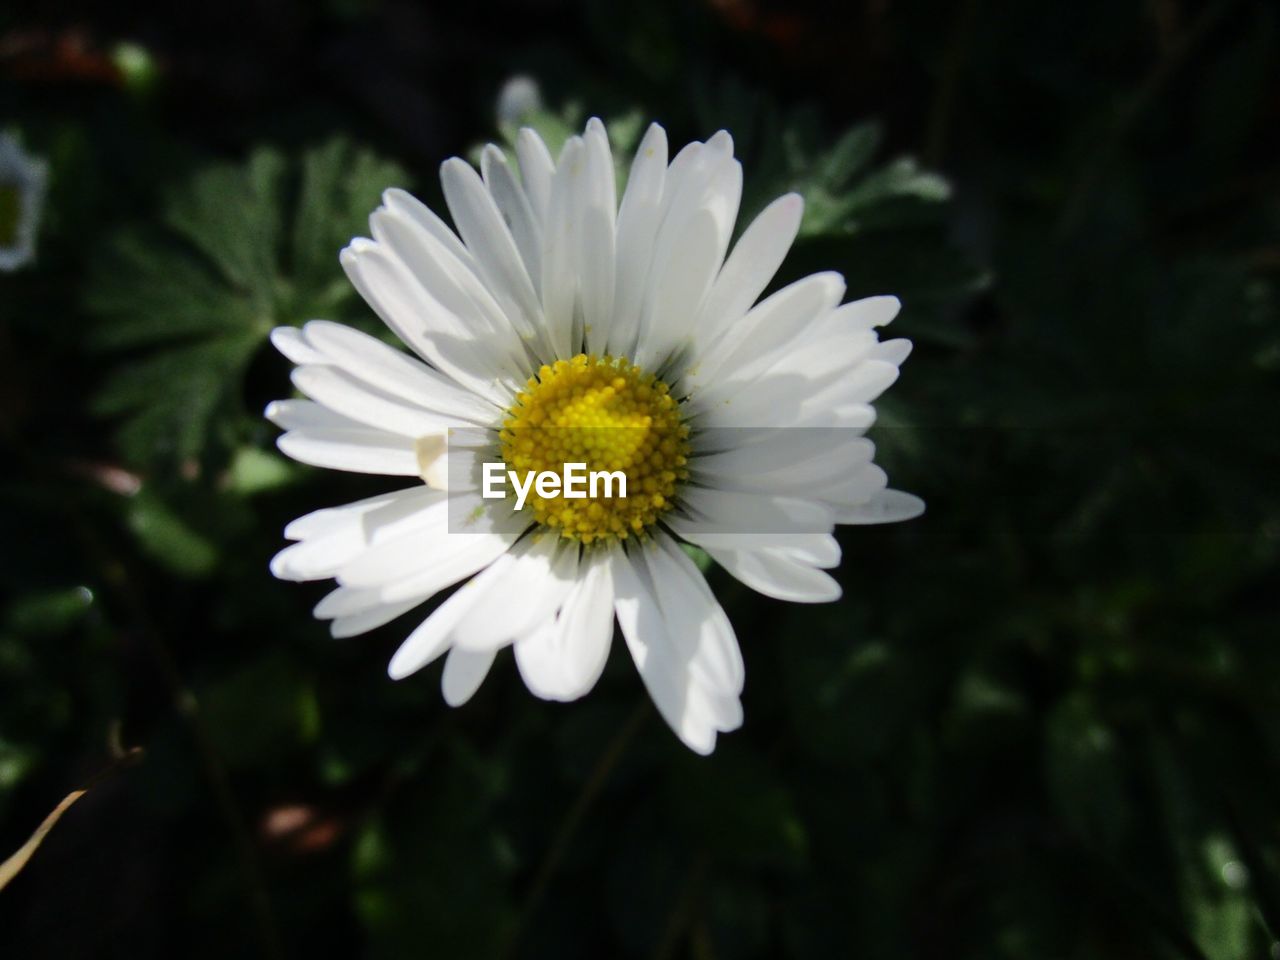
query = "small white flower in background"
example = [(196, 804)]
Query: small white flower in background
[(519, 98), (22, 183), (626, 330)]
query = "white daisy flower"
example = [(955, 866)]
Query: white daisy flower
[(22, 183), (559, 326), (519, 98)]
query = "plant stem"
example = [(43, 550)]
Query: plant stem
[(188, 707), (573, 818), (682, 914)]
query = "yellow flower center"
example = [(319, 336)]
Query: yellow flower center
[(612, 416)]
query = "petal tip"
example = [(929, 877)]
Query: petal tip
[(400, 667)]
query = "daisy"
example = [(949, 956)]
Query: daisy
[(22, 182), (558, 325), (519, 98)]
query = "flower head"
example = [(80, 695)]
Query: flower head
[(558, 326), (519, 98), (22, 183)]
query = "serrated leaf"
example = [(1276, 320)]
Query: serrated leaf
[(850, 155), (240, 253), (232, 216), (341, 186), (171, 397), (152, 299)]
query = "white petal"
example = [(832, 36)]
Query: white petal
[(892, 351), (820, 358), (700, 206), (464, 671), (790, 399), (359, 450), (563, 659), (889, 506), (778, 320), (363, 402), (354, 624), (697, 623), (693, 710), (464, 555), (410, 206), (318, 558), (728, 511), (869, 311), (289, 341), (778, 576), (510, 199), (669, 684), (755, 259), (415, 548), (855, 489), (560, 258), (682, 273), (870, 379), (789, 462), (432, 454), (816, 549), (587, 628), (638, 220), (811, 363), (432, 636), (296, 414), (344, 601), (331, 518), (530, 589), (491, 244), (387, 368), (423, 323), (334, 537), (822, 552), (597, 236), (701, 176), (539, 659), (469, 309), (536, 169)]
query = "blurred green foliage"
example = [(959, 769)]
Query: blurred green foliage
[(1041, 723), (235, 254)]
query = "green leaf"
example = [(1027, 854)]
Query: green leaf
[(240, 249), (171, 397), (1084, 768), (48, 612), (341, 186), (699, 556), (256, 471), (232, 216), (168, 539), (555, 127)]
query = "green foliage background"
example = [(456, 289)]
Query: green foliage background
[(1041, 723)]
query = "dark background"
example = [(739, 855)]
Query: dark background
[(1041, 723)]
